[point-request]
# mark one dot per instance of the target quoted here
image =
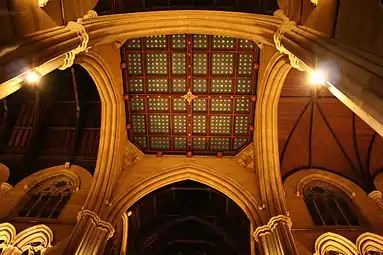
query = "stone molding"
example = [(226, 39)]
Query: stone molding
[(377, 196), (368, 242), (331, 242), (82, 35), (246, 156), (271, 225), (97, 221), (323, 177)]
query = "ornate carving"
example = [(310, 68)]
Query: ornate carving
[(89, 15), (286, 26), (189, 97), (132, 155), (42, 3), (246, 157), (99, 223)]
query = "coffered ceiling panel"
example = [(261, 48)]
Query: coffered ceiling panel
[(190, 93)]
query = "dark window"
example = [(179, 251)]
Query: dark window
[(328, 207), (46, 200)]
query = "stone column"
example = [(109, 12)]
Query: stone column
[(90, 235), (281, 228), (376, 195), (4, 188), (276, 238), (353, 76), (12, 250)]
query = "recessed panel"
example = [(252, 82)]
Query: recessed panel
[(190, 93)]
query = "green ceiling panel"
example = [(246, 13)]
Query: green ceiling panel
[(179, 104), (179, 63), (246, 44), (200, 85), (140, 140), (179, 85), (156, 42), (239, 143), (221, 105), (244, 85), (200, 105), (223, 42), (133, 44), (138, 123), (242, 105), (200, 41), (245, 64), (215, 116), (223, 64), (199, 143), (219, 144), (180, 143), (158, 104), (241, 125), (159, 123), (135, 85), (200, 63), (220, 125), (179, 124), (134, 63), (157, 63), (157, 85), (222, 85), (199, 124), (178, 41), (160, 143), (138, 104)]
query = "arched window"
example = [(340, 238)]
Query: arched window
[(47, 199), (329, 206)]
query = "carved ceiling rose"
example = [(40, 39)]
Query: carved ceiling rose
[(42, 3), (189, 96)]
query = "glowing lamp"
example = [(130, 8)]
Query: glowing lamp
[(32, 77), (317, 77)]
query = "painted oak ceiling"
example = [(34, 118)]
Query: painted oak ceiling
[(316, 130), (190, 93)]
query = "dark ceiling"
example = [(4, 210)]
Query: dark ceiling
[(316, 130), (124, 6), (48, 125), (188, 218), (218, 74)]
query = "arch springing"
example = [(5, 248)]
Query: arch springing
[(46, 199), (329, 206)]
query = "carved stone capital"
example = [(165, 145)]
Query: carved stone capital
[(261, 231), (99, 223), (83, 46), (376, 194), (280, 219)]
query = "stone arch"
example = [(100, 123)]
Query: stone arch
[(296, 183), (7, 234), (266, 134), (79, 178), (41, 234), (4, 173), (334, 242), (112, 136), (367, 242), (232, 189)]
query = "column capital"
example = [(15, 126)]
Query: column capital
[(261, 231), (376, 194), (83, 46), (6, 186), (97, 221), (274, 221)]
